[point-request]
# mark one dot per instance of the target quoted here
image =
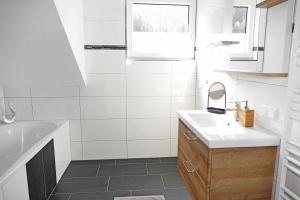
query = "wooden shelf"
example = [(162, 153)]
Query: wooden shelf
[(269, 3), (265, 74)]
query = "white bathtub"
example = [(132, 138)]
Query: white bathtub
[(20, 141)]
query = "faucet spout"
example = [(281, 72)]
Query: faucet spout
[(9, 119), (237, 108)]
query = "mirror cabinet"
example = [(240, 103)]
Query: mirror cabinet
[(255, 35)]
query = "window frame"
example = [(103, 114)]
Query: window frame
[(251, 31), (151, 55)]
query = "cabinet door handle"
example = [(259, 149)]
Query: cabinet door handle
[(186, 135), (188, 167)]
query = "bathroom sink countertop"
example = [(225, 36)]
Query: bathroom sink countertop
[(222, 131)]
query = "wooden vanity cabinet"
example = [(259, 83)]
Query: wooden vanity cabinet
[(225, 173)]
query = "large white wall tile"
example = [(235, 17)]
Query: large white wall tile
[(104, 32), (56, 108), (148, 85), (75, 130), (104, 150), (269, 95), (174, 127), (16, 92), (149, 67), (103, 107), (22, 107), (184, 67), (76, 150), (148, 107), (148, 129), (174, 147), (104, 85), (114, 129), (55, 92), (182, 103), (148, 148), (105, 61), (104, 9), (1, 92), (183, 85)]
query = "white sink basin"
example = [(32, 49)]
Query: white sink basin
[(222, 131)]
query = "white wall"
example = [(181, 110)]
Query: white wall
[(35, 46), (125, 110), (71, 16), (1, 100)]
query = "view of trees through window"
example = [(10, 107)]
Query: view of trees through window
[(239, 19), (160, 18)]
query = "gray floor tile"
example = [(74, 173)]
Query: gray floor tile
[(60, 197), (72, 185), (135, 182), (138, 161), (107, 162), (119, 170), (169, 194), (169, 160), (85, 162), (162, 168), (173, 181), (177, 194), (147, 192), (99, 195), (81, 171)]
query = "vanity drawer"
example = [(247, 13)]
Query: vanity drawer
[(242, 173), (191, 178), (197, 153)]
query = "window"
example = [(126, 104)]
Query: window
[(162, 31), (244, 30), (239, 19)]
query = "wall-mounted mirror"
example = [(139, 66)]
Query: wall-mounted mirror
[(264, 36), (256, 39), (248, 28)]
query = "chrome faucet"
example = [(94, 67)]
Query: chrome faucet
[(237, 108), (8, 119)]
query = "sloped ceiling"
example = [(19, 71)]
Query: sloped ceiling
[(34, 46)]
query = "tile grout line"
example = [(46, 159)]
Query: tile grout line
[(31, 102), (124, 175), (81, 137), (130, 190), (126, 101), (108, 184), (147, 169), (163, 182)]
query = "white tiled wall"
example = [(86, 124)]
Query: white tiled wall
[(1, 99), (270, 93), (125, 110)]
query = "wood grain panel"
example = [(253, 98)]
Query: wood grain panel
[(196, 188), (243, 172), (225, 174), (197, 153), (269, 3)]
